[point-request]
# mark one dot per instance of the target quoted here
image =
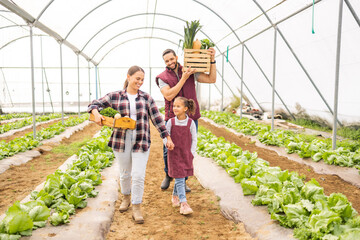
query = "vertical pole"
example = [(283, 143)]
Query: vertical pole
[(61, 85), (89, 82), (273, 85), (337, 71), (150, 82), (98, 75), (209, 97), (32, 80), (42, 74), (78, 70), (222, 84), (242, 79), (96, 86)]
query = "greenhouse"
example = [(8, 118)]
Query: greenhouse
[(255, 119)]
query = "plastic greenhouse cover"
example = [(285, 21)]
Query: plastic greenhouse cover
[(117, 34)]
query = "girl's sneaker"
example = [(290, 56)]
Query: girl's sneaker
[(185, 209), (175, 201)]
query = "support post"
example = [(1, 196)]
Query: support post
[(61, 85), (273, 84), (96, 86), (42, 75), (337, 71), (89, 82), (78, 71), (222, 84), (32, 80), (242, 80)]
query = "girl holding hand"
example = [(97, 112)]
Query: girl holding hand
[(182, 130)]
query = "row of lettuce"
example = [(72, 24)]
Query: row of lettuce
[(346, 154), (27, 121), (27, 142), (14, 115), (295, 204), (63, 192)]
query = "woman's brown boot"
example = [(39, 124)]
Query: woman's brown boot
[(137, 215), (124, 206)]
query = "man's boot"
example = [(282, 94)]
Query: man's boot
[(187, 189), (166, 182), (124, 206), (137, 215)]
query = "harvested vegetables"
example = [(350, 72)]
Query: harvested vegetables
[(189, 33), (109, 112)]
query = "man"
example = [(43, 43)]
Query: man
[(176, 81)]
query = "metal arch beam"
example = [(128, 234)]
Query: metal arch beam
[(353, 12), (42, 11), (298, 60), (16, 39), (126, 17), (133, 29), (175, 44), (92, 10), (232, 30), (118, 20), (133, 40), (9, 26), (31, 20)]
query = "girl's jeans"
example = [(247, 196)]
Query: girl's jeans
[(179, 189), (132, 169)]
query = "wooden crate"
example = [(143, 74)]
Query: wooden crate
[(123, 123), (198, 59)]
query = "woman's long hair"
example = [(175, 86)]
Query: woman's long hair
[(132, 70)]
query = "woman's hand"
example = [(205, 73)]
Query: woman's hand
[(98, 117), (169, 144)]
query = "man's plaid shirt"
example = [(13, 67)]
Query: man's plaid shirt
[(145, 109)]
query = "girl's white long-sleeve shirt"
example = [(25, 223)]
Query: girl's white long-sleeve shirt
[(192, 131)]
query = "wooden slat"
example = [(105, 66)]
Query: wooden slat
[(196, 50), (199, 60), (195, 65), (123, 123)]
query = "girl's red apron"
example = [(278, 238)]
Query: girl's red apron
[(180, 160)]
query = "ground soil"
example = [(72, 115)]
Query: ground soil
[(162, 221), (330, 183), (22, 133), (18, 181)]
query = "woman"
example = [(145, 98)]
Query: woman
[(131, 147)]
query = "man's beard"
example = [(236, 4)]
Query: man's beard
[(174, 67)]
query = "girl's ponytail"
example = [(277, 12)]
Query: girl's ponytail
[(191, 106), (189, 103)]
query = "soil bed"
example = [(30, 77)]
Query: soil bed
[(162, 221), (330, 183), (18, 181)]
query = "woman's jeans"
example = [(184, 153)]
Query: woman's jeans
[(132, 169), (179, 189)]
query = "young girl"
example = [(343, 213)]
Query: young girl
[(131, 147), (182, 130)]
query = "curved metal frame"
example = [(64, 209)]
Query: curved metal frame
[(133, 29), (19, 38), (133, 40)]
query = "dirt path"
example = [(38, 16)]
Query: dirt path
[(162, 221), (22, 133), (330, 183), (18, 181)]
